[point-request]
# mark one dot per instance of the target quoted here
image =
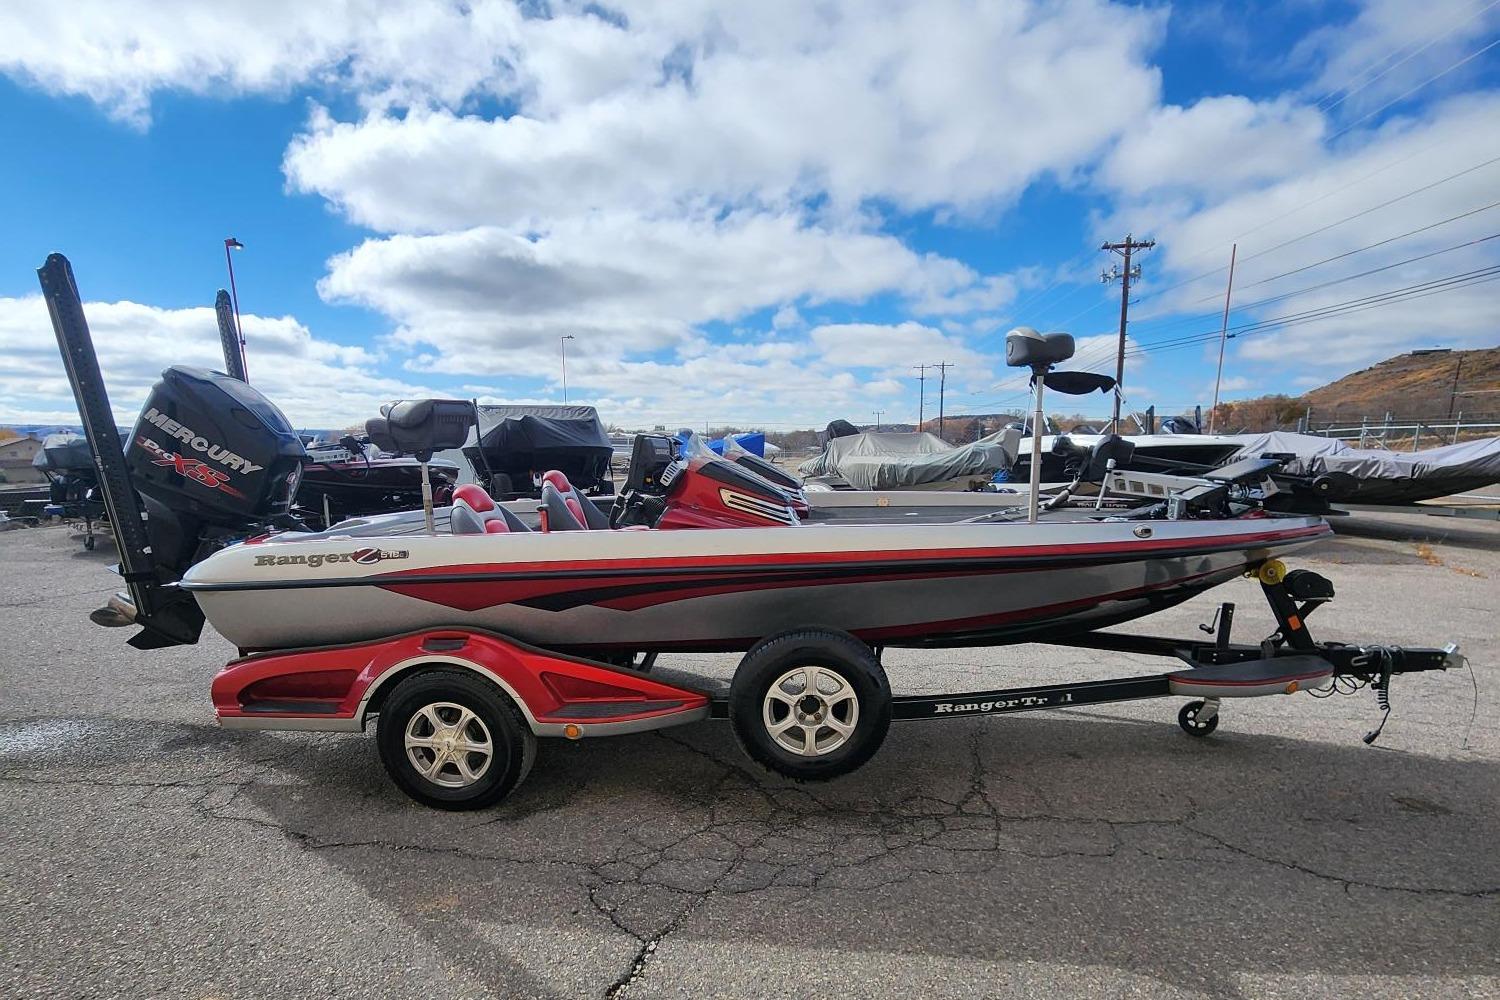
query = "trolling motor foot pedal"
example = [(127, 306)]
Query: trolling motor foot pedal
[(1253, 678)]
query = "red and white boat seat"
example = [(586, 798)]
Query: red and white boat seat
[(565, 509), (557, 513), (475, 512)]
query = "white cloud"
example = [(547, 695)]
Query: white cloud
[(119, 54), (489, 300), (948, 104), (1218, 144), (1372, 187), (643, 175), (897, 348), (1389, 48), (787, 318), (316, 383)]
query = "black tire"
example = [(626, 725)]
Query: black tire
[(513, 744), (773, 659), (1187, 718)]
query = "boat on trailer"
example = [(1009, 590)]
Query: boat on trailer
[(469, 645)]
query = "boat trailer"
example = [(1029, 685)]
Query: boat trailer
[(540, 692)]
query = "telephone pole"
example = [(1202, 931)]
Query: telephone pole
[(942, 367), (1126, 274), (1234, 249), (921, 371), (1453, 391), (877, 418)]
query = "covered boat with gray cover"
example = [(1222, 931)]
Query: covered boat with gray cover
[(1378, 476), (878, 460)]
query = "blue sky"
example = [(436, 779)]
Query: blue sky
[(754, 214)]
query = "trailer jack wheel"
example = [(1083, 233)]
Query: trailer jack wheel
[(1196, 719)]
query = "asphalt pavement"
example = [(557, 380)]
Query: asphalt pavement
[(144, 852)]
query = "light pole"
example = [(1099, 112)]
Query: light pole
[(233, 244), (562, 343)]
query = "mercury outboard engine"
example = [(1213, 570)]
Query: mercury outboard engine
[(212, 448), (210, 461)]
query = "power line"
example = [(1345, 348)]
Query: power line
[(1062, 277), (1350, 310), (1403, 61), (1158, 292), (1420, 290), (1335, 281), (1321, 229), (1446, 283), (1374, 208), (1389, 104), (1381, 243)]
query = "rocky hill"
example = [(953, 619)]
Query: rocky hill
[(1425, 386), (1419, 385)]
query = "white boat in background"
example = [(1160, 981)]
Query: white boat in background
[(1167, 453)]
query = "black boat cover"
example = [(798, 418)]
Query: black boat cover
[(521, 439)]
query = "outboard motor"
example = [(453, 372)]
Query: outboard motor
[(213, 461), (210, 460), (210, 447)]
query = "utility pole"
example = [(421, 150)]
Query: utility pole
[(1223, 336), (1453, 391), (921, 371), (562, 342), (942, 367), (1126, 275), (877, 418)]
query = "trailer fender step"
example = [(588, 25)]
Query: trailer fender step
[(1252, 678)]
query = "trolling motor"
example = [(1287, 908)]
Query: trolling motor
[(1025, 348), (229, 338)]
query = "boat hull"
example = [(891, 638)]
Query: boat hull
[(727, 589)]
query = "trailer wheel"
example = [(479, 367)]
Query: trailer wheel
[(451, 740), (1187, 718), (810, 704)]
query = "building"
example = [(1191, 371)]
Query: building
[(15, 460)]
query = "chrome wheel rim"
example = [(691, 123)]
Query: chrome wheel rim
[(448, 745), (810, 711)]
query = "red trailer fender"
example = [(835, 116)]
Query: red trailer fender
[(336, 688)]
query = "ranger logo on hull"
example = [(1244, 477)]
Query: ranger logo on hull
[(316, 559)]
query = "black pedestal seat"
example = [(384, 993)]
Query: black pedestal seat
[(420, 427)]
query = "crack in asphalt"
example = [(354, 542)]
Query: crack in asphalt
[(758, 832)]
